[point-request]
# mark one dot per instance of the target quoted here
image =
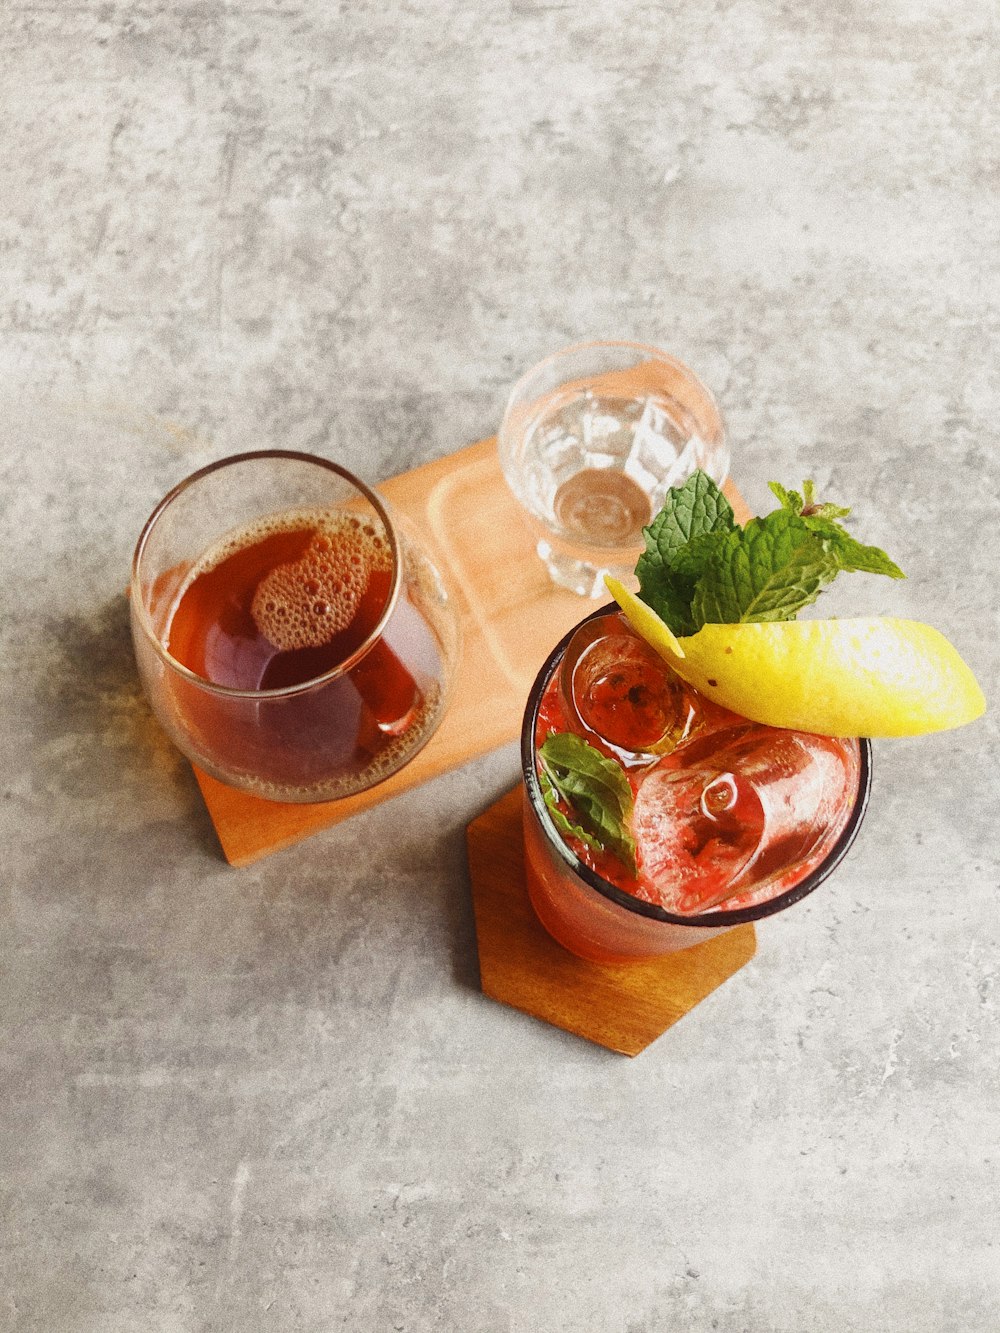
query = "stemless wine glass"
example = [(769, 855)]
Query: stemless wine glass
[(292, 641), (592, 439)]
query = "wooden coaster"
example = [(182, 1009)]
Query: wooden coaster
[(622, 1008), (462, 513)]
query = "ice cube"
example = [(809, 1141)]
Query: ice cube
[(652, 451), (683, 465), (739, 811), (697, 830), (619, 689)]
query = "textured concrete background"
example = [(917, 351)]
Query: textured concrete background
[(274, 1099)]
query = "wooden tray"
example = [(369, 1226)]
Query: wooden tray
[(622, 1008), (461, 511)]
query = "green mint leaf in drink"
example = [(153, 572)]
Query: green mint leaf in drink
[(678, 543), (594, 788), (565, 826)]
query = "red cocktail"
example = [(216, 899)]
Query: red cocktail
[(711, 820)]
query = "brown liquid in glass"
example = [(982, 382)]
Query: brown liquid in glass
[(213, 630), (282, 604)]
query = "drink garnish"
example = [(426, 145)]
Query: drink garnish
[(700, 567), (596, 791), (718, 603), (862, 676)]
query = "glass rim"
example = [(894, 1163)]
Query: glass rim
[(141, 613), (638, 906), (655, 353)]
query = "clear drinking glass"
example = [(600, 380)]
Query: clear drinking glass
[(592, 439), (721, 802), (291, 640)]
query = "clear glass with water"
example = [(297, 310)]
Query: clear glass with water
[(592, 439)]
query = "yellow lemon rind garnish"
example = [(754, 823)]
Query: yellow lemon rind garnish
[(869, 676), (866, 676), (644, 620)]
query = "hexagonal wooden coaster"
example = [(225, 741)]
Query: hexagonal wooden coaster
[(622, 1008)]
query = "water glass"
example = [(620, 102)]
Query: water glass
[(592, 439)]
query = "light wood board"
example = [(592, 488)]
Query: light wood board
[(462, 513)]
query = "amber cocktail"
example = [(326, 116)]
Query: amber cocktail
[(292, 641)]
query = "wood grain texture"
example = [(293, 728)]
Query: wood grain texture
[(622, 1008), (461, 512)]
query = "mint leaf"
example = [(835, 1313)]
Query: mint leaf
[(696, 507), (677, 549), (768, 570), (851, 556), (791, 500), (670, 597), (825, 511), (565, 827), (805, 504), (596, 791), (691, 560)]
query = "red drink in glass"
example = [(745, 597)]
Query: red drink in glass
[(732, 820)]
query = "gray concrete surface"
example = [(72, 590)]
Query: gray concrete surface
[(274, 1099)]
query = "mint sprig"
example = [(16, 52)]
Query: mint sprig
[(768, 570), (595, 790), (700, 568)]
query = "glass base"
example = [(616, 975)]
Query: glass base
[(583, 577)]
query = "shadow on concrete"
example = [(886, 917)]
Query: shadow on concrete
[(104, 742)]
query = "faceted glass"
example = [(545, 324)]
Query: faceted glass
[(592, 439)]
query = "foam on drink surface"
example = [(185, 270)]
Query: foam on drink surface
[(304, 604)]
